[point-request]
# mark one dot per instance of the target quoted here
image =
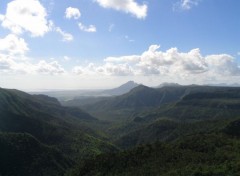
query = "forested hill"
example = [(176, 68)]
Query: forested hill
[(41, 137)]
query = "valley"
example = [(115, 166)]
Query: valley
[(146, 131)]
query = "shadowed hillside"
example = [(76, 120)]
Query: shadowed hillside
[(65, 128), (22, 154)]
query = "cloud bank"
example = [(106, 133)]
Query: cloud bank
[(171, 63)]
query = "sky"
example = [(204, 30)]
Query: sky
[(92, 44)]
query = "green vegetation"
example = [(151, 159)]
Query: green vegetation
[(44, 119), (22, 154), (198, 155), (176, 130)]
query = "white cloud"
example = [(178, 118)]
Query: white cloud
[(129, 59), (223, 64), (116, 70), (66, 36), (11, 65), (90, 28), (12, 45), (171, 64), (127, 6), (1, 17), (72, 13), (26, 15), (14, 62), (51, 68), (5, 63), (108, 69), (238, 53), (153, 61)]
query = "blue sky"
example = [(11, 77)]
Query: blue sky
[(77, 44)]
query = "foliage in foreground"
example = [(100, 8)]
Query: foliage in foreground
[(22, 154), (201, 154)]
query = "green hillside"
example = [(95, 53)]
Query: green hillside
[(139, 100), (22, 154), (65, 128), (195, 112), (198, 155)]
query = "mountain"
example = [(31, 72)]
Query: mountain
[(34, 105), (148, 114), (66, 128), (172, 130), (87, 95), (121, 89), (215, 104), (85, 100), (195, 112), (140, 99)]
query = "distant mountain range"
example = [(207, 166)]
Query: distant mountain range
[(90, 95)]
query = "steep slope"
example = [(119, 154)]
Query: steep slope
[(221, 103), (24, 155), (167, 131), (142, 98), (195, 112), (22, 103), (44, 118)]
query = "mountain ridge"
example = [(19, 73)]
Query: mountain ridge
[(122, 89)]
